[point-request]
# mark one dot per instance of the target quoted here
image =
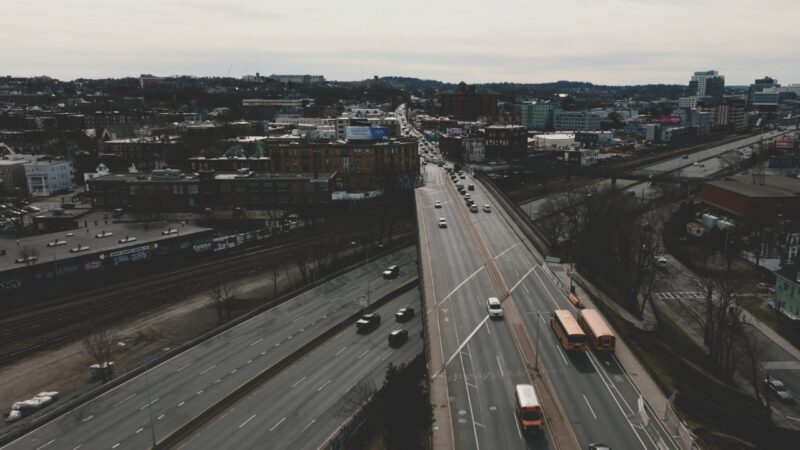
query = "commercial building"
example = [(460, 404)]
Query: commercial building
[(576, 121), (760, 84), (707, 84), (299, 79), (594, 138), (12, 177), (787, 291), (47, 176), (468, 104), (148, 153), (538, 115), (505, 142), (744, 198)]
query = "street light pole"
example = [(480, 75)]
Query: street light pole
[(538, 316)]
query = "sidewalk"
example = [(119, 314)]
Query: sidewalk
[(770, 333)]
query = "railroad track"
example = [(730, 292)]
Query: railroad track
[(34, 330)]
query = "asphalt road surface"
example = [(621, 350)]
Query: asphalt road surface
[(189, 383)]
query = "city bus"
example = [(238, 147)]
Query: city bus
[(568, 331), (599, 334), (529, 412)]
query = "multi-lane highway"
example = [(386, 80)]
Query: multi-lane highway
[(152, 405), (596, 394), (703, 163), (306, 403)]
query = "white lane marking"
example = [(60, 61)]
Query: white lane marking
[(160, 417), (362, 355), (458, 350), (88, 418), (306, 427), (552, 299), (499, 365), (298, 381), (298, 319), (792, 418), (199, 392), (183, 367), (590, 406), (263, 353), (247, 421), (521, 279), (340, 351), (181, 404), (507, 250), (217, 380), (350, 387), (277, 424), (207, 370), (487, 327), (79, 446), (234, 371), (526, 289), (459, 286), (256, 342), (115, 446), (386, 355), (124, 399), (277, 344), (249, 361), (558, 347), (479, 424), (139, 430), (45, 445), (148, 404), (323, 386)]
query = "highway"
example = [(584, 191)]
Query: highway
[(175, 391), (690, 167), (596, 394), (483, 364), (306, 403)]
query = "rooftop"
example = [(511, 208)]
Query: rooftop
[(774, 186)]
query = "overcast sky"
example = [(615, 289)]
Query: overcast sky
[(601, 41)]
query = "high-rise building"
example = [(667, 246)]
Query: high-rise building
[(576, 121), (538, 115), (761, 84), (468, 104), (707, 84)]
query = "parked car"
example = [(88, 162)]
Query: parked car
[(442, 222), (368, 322), (779, 389), (494, 307), (398, 338), (391, 272), (404, 314)]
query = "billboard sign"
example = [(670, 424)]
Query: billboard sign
[(670, 120), (366, 133), (787, 144)]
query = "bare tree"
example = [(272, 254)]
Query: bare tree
[(751, 345), (222, 296), (28, 254), (98, 346), (721, 325)]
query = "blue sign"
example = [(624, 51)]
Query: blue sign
[(366, 133)]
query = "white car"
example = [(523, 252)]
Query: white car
[(442, 222), (437, 204), (494, 307), (487, 208)]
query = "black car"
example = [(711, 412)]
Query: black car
[(398, 338), (595, 446), (404, 314), (471, 187), (368, 322), (391, 272)]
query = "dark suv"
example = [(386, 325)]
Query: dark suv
[(398, 338), (368, 322)]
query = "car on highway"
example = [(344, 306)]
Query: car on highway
[(473, 208), (494, 308), (404, 314), (437, 204), (442, 222), (779, 389), (471, 187), (391, 272), (597, 446), (698, 164), (398, 338), (368, 322), (487, 208)]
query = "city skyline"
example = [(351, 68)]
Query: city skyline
[(607, 42)]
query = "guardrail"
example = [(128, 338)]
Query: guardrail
[(64, 408), (174, 438)]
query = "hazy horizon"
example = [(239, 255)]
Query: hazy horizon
[(611, 42)]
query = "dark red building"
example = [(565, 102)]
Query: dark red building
[(746, 197)]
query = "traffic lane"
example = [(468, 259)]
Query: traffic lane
[(784, 367), (277, 412), (114, 414)]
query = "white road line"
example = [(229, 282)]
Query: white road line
[(249, 361), (181, 404), (459, 286), (526, 289), (487, 326), (386, 355), (256, 341), (298, 381), (558, 347), (340, 351), (362, 355), (306, 427), (79, 446), (479, 424), (323, 386), (350, 387), (590, 406), (247, 421), (139, 430), (124, 399), (148, 404), (183, 367), (521, 279), (199, 392), (792, 418), (88, 418), (277, 424), (115, 446), (499, 365), (207, 370), (45, 445), (613, 397), (217, 380), (507, 250), (298, 319), (458, 350), (547, 290), (160, 417)]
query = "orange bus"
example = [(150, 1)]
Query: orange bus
[(599, 334), (568, 331), (529, 412)]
